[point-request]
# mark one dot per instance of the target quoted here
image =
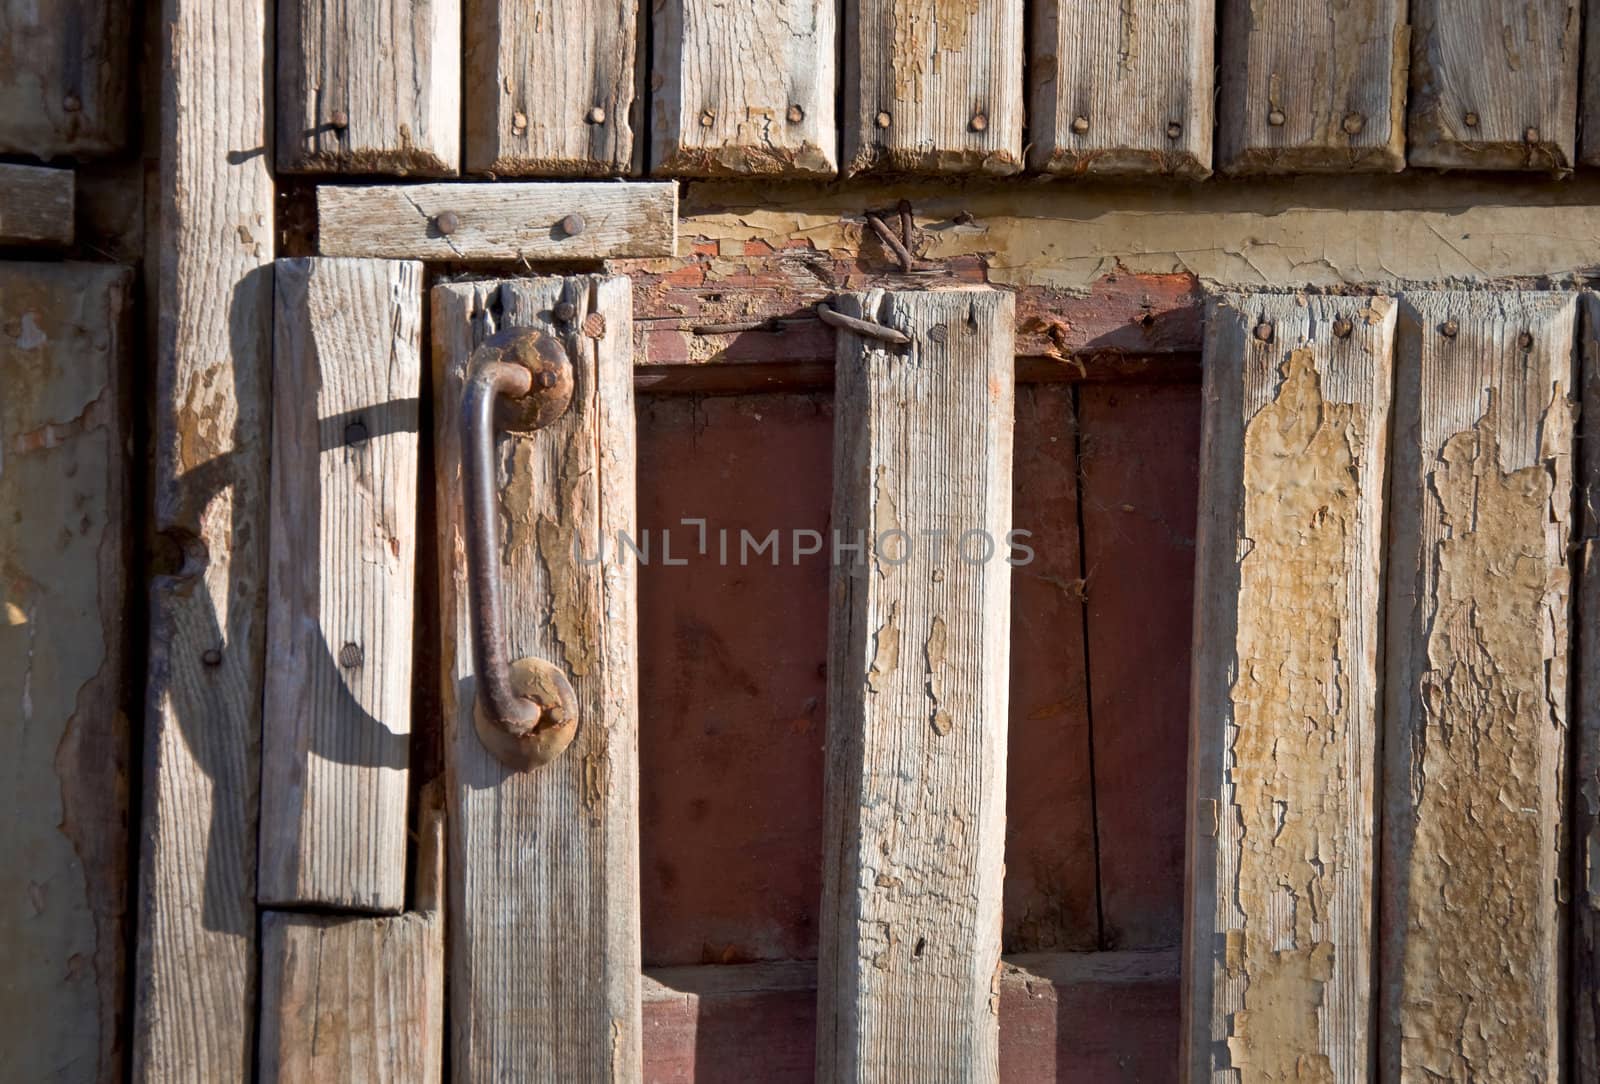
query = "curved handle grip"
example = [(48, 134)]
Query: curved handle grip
[(526, 711)]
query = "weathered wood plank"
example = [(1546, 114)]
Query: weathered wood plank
[(36, 205), (744, 88), (544, 914), (1137, 500), (1494, 84), (64, 77), (1589, 87), (336, 723), (933, 86), (917, 691), (551, 87), (369, 86), (1474, 882), (1122, 88), (357, 1000), (64, 543), (1312, 87), (1586, 791), (1283, 742), (194, 1010), (499, 221)]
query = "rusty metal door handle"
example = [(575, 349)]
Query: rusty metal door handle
[(526, 711)]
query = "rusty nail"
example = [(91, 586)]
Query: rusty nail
[(1525, 340), (597, 115), (572, 225), (1470, 120), (351, 656), (1449, 328), (446, 223), (71, 103), (979, 122), (547, 379), (211, 657), (965, 218), (1174, 129), (565, 311), (938, 333), (1353, 123), (355, 432), (883, 119), (1080, 124), (594, 325), (1263, 332), (1531, 135), (796, 114), (1276, 118), (706, 117), (1342, 327), (339, 119)]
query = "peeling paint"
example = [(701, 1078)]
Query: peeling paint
[(885, 652)]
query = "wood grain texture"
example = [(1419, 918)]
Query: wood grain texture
[(745, 88), (336, 725), (917, 692), (1138, 499), (933, 86), (64, 548), (1589, 87), (1284, 729), (64, 77), (194, 1007), (369, 86), (544, 906), (1309, 87), (551, 87), (1494, 84), (1586, 789), (1122, 87), (36, 205), (498, 221), (1475, 744)]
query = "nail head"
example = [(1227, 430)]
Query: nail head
[(597, 115), (1276, 118), (883, 119), (565, 311), (211, 657), (1470, 120), (796, 114), (1531, 135), (1353, 123), (938, 333), (339, 119), (1342, 327), (71, 103), (1174, 129), (351, 656), (1080, 124), (1525, 340), (706, 118), (979, 122), (446, 222), (572, 225), (1449, 329), (355, 432), (1263, 332)]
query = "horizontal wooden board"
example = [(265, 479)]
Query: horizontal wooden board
[(1120, 87), (36, 205), (744, 88), (1494, 85), (499, 221), (369, 86), (64, 77), (1308, 86)]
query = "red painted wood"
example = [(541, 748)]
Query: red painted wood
[(1050, 868), (1140, 463)]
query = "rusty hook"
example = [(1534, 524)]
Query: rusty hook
[(526, 712)]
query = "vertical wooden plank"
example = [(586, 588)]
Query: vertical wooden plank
[(744, 88), (933, 86), (1586, 792), (1138, 499), (336, 726), (36, 205), (1119, 87), (1589, 87), (1475, 739), (1283, 741), (1494, 84), (1313, 87), (194, 1008), (550, 87), (369, 86), (64, 77), (918, 646), (63, 577), (544, 913)]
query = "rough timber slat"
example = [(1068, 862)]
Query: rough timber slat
[(1494, 84), (195, 990), (498, 221), (744, 88), (909, 952), (1474, 881), (64, 543), (348, 1000), (1122, 88), (369, 86), (336, 724), (932, 86), (1589, 87), (1312, 87), (544, 908), (1586, 791), (1283, 739), (64, 77), (550, 87), (35, 205)]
